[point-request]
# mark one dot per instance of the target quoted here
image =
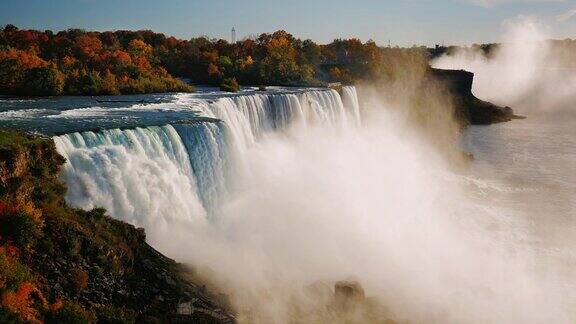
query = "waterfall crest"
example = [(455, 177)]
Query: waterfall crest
[(152, 176)]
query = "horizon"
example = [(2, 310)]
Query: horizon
[(398, 23)]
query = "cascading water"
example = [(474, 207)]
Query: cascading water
[(153, 176), (132, 173), (207, 152), (350, 100)]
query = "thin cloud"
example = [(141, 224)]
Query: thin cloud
[(566, 15), (494, 3)]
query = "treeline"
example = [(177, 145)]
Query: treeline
[(76, 62), (79, 62)]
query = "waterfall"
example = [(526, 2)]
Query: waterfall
[(154, 176), (207, 153), (142, 176), (350, 99)]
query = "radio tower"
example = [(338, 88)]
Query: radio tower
[(233, 35)]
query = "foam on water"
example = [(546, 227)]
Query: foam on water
[(181, 172)]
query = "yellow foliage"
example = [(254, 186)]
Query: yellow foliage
[(138, 47), (28, 208)]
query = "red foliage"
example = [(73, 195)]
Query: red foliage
[(21, 302), (7, 210), (10, 250), (172, 41), (26, 36)]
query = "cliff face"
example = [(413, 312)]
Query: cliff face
[(63, 265), (469, 109)]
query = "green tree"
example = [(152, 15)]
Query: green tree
[(43, 81)]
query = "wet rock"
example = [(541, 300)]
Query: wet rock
[(346, 292), (184, 308)]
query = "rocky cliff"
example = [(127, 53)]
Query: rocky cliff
[(59, 264), (469, 109)]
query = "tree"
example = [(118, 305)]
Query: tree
[(44, 81), (87, 46), (13, 69), (138, 48), (230, 85)]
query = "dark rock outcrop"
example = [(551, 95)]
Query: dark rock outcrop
[(469, 109), (348, 291)]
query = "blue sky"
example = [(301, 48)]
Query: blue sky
[(403, 22)]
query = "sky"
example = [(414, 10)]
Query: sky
[(400, 22)]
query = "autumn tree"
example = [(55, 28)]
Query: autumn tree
[(44, 81)]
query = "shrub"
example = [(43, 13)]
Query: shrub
[(20, 225), (20, 228), (71, 313), (46, 245), (230, 85), (7, 317), (110, 314), (12, 272), (78, 279), (20, 302)]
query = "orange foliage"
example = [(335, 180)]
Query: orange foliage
[(69, 61), (172, 41), (122, 57), (24, 59), (213, 70), (28, 208), (335, 73), (142, 63), (246, 63), (112, 59), (57, 305), (280, 46), (88, 45), (22, 302)]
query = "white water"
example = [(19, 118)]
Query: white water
[(287, 190), (157, 177)]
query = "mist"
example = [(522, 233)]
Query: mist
[(377, 204), (526, 71)]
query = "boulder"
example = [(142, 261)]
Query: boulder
[(346, 292)]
